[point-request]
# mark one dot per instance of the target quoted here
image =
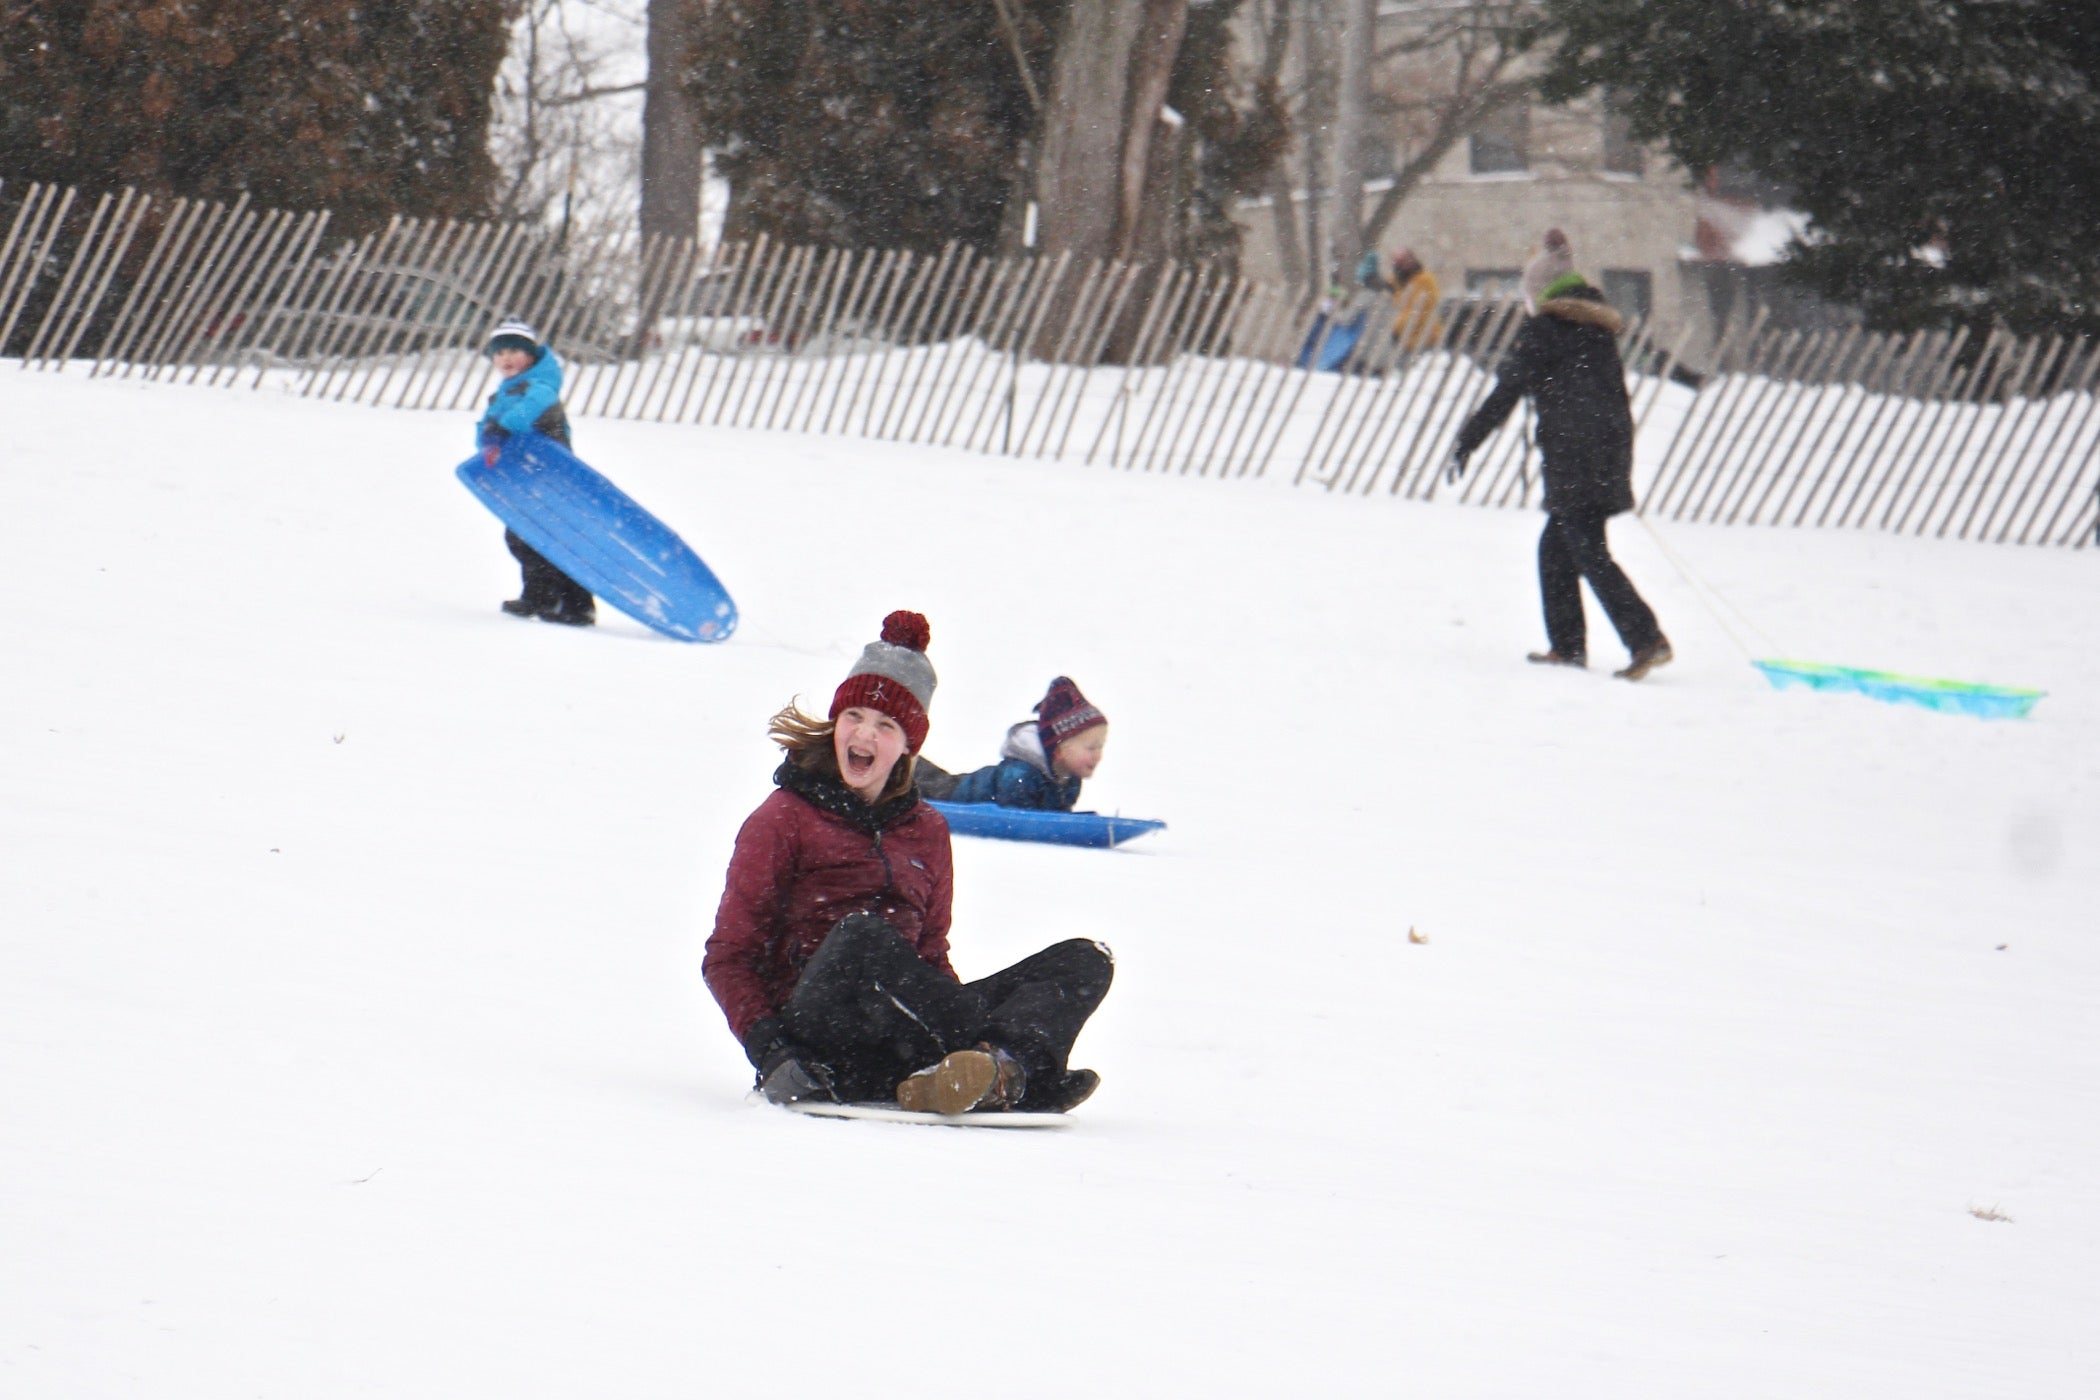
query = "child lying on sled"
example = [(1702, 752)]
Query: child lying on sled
[(1042, 763)]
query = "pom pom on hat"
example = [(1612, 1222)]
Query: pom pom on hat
[(906, 629), (1064, 713), (893, 677)]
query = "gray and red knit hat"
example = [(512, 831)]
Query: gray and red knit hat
[(1062, 713), (893, 676)]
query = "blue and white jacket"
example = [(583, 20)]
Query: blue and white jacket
[(528, 399)]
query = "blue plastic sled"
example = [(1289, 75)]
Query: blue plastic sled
[(1331, 353), (1952, 697), (1025, 824), (593, 532)]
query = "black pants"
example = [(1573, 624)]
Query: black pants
[(1573, 549), (547, 589), (875, 1011), (936, 784)]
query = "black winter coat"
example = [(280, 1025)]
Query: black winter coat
[(1567, 359)]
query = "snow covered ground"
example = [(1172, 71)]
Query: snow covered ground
[(352, 1039)]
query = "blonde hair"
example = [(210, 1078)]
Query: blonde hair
[(808, 741)]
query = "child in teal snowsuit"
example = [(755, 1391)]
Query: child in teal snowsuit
[(529, 399)]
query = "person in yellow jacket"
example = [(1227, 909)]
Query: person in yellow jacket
[(1416, 326)]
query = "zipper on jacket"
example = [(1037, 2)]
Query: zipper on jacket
[(889, 874)]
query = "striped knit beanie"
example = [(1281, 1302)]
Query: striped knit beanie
[(1062, 713), (893, 676), (514, 335)]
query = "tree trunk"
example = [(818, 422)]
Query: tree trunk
[(673, 158), (1316, 140), (1151, 68), (1077, 173), (1101, 117), (1352, 87)]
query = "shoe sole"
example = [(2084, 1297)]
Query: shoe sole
[(956, 1085)]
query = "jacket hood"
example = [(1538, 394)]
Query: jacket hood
[(545, 370), (1585, 306), (1025, 742)]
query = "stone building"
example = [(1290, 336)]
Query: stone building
[(1477, 216)]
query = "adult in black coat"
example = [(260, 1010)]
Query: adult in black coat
[(1566, 360)]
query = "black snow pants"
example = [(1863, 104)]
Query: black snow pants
[(875, 1011), (547, 589), (1573, 549)]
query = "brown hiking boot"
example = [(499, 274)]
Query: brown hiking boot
[(1554, 658), (965, 1080), (1656, 653)]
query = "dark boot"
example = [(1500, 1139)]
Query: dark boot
[(569, 614), (1074, 1089), (1646, 659), (1550, 657)]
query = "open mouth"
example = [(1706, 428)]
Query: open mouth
[(859, 763)]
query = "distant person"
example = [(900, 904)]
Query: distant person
[(529, 399), (1337, 327), (1566, 359), (1416, 296), (1043, 761), (830, 949)]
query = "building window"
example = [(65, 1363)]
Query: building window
[(1502, 145), (1622, 154), (1492, 283), (1631, 290)]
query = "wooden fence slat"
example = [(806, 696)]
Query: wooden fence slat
[(1844, 375), (29, 216), (1932, 376), (325, 321), (60, 308), (2021, 390), (1981, 388), (1171, 287), (345, 325), (37, 251), (184, 324), (225, 321), (2080, 380), (752, 297), (2079, 459), (1423, 469)]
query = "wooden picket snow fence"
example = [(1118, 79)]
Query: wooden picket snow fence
[(1170, 369)]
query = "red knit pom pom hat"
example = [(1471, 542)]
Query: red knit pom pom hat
[(893, 676), (1063, 713)]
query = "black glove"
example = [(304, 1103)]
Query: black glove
[(1456, 466), (788, 1071)]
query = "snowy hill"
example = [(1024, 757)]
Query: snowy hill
[(352, 1040)]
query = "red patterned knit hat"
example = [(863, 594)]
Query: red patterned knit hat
[(893, 676), (1064, 712)]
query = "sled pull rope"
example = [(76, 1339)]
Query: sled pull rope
[(1708, 595)]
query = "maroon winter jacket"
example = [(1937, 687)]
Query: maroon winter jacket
[(810, 855)]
